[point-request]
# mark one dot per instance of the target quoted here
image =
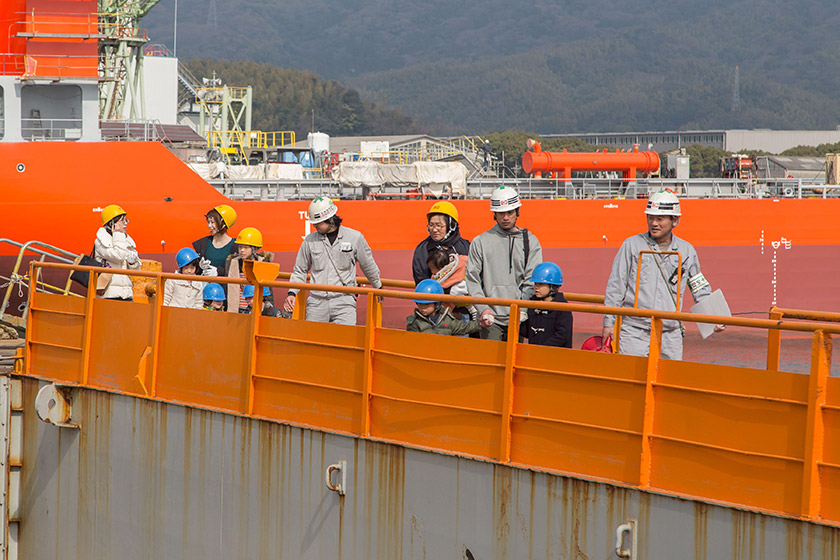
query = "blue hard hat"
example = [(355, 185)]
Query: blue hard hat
[(547, 273), (248, 291), (428, 286), (185, 256), (213, 292)]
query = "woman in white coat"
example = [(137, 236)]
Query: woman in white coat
[(117, 248)]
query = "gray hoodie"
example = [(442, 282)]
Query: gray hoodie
[(496, 267)]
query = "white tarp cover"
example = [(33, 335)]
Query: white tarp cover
[(286, 171), (219, 170), (245, 171), (208, 171), (434, 175)]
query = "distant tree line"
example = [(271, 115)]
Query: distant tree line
[(288, 99)]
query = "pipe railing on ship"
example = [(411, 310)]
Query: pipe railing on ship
[(462, 300), (774, 338), (255, 392), (45, 251)]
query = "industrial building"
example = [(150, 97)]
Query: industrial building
[(735, 140)]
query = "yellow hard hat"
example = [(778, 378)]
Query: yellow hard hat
[(443, 207), (227, 213), (110, 212), (250, 236)]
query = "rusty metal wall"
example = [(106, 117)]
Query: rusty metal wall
[(142, 479)]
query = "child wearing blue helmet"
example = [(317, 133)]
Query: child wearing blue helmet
[(214, 297), (434, 317), (548, 327), (268, 309), (184, 293)]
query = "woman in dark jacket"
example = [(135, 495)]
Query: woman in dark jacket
[(216, 247), (442, 223)]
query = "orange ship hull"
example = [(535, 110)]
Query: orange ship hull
[(53, 193)]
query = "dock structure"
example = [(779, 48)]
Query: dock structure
[(180, 433)]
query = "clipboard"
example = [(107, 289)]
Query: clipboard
[(714, 304)]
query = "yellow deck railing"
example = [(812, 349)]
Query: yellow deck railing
[(759, 439)]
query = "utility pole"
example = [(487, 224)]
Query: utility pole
[(736, 92)]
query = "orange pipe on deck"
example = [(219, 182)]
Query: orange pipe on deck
[(563, 163)]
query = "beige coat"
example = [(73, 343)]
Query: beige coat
[(184, 293), (119, 251)]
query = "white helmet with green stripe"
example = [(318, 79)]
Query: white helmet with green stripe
[(321, 209)]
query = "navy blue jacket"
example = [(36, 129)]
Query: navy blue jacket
[(548, 327)]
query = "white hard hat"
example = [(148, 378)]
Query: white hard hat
[(504, 198), (663, 203), (321, 209)]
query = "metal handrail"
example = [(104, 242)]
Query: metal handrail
[(63, 256), (468, 300)]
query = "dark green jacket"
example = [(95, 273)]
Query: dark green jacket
[(445, 323)]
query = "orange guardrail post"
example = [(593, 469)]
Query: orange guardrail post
[(299, 311), (89, 298), (774, 341), (373, 322), (159, 290), (256, 313), (814, 428), (507, 387), (650, 396)]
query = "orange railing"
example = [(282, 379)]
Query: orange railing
[(751, 438)]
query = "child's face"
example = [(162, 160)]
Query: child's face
[(217, 305), (426, 309), (435, 269), (246, 252), (188, 268), (542, 291)]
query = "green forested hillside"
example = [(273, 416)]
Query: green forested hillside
[(553, 66), (292, 99)]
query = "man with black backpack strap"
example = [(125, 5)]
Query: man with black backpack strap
[(501, 261)]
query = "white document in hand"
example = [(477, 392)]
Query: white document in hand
[(715, 304)]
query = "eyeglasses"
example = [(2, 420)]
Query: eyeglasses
[(436, 226)]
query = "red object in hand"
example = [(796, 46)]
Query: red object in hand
[(598, 344)]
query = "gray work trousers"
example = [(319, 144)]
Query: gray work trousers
[(494, 332), (635, 341), (340, 310)]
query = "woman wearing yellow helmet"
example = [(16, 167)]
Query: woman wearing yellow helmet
[(114, 246), (216, 247), (249, 244), (444, 233)]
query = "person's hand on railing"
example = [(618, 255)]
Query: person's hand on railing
[(486, 318), (289, 304)]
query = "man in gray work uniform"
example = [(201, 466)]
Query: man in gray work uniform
[(658, 280), (501, 262), (331, 253)]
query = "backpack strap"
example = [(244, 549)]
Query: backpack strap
[(526, 244)]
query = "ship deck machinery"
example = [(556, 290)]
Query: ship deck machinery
[(128, 437)]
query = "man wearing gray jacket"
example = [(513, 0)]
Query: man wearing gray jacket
[(331, 253), (657, 282), (501, 261)]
